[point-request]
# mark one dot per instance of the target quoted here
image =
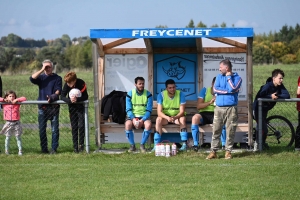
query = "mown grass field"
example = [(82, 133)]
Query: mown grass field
[(272, 174)]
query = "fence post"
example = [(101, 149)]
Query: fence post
[(260, 124), (86, 126)]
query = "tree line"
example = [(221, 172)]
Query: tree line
[(18, 54)]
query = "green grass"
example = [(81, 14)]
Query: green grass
[(272, 174), (268, 175)]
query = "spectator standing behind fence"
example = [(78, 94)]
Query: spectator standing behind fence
[(50, 85), (76, 111), (205, 105), (226, 87), (139, 104), (170, 110), (11, 113), (273, 89), (297, 136)]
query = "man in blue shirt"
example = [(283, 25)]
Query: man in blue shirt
[(170, 109), (50, 85), (139, 104), (226, 87)]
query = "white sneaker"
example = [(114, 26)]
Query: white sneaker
[(20, 153)]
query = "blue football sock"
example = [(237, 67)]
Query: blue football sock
[(130, 137), (156, 138), (195, 133), (145, 136)]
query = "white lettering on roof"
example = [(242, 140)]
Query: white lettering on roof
[(171, 32)]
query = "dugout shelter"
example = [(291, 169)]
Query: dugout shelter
[(190, 56)]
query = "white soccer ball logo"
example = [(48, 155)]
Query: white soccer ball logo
[(75, 93)]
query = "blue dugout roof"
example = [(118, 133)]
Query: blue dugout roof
[(172, 37)]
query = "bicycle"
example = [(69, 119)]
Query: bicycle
[(281, 131)]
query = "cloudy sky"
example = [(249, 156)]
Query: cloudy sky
[(39, 19)]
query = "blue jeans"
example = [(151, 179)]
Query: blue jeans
[(54, 128)]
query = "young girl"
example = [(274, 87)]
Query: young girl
[(11, 113)]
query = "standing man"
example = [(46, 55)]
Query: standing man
[(206, 106), (139, 104), (170, 110), (226, 87), (50, 85)]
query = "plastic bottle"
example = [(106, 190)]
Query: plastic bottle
[(157, 150), (174, 149), (137, 122), (168, 150), (162, 150)]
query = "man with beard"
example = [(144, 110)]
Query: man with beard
[(139, 103), (170, 110)]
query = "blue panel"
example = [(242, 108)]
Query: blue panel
[(182, 68), (173, 42), (171, 33)]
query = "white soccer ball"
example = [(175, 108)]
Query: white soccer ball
[(75, 93)]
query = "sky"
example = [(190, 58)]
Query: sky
[(40, 19)]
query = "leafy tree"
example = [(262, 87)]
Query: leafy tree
[(295, 45), (288, 59), (279, 49), (215, 26), (191, 24), (261, 54), (223, 25), (201, 24), (161, 26), (66, 40)]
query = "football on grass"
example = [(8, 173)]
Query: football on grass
[(75, 93), (136, 120)]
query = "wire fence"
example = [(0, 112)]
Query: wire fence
[(282, 122), (31, 137)]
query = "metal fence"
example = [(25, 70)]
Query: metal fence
[(30, 126), (282, 121)]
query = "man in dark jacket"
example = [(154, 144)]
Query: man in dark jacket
[(273, 89)]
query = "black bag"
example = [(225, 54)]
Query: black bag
[(50, 111)]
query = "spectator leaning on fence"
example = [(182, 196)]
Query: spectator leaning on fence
[(273, 89), (170, 110), (11, 113), (139, 104), (226, 87), (50, 85), (76, 111)]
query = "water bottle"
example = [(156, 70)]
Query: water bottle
[(137, 122), (168, 151), (174, 149), (162, 150), (157, 150)]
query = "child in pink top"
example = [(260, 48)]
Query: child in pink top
[(11, 113)]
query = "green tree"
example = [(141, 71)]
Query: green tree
[(191, 24), (223, 25), (161, 26), (201, 24), (261, 54), (66, 40), (215, 26), (278, 49)]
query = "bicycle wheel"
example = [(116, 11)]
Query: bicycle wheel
[(279, 125)]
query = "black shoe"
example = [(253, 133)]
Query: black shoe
[(45, 151), (81, 148), (53, 151), (195, 148), (223, 148), (76, 150), (132, 148)]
